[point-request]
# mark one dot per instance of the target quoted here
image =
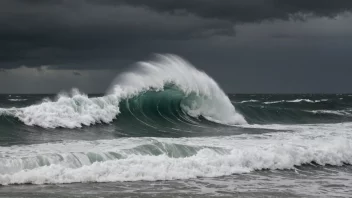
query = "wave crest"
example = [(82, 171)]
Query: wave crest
[(201, 97)]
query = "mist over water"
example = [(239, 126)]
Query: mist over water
[(164, 120)]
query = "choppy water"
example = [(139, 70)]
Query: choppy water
[(167, 129)]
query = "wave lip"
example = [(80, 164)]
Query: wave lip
[(202, 97)]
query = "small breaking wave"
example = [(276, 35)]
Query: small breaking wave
[(133, 159), (333, 112), (296, 101), (249, 101), (16, 100)]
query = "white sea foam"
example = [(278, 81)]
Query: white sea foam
[(7, 111), (69, 111), (296, 101), (69, 162), (204, 97), (334, 112), (16, 100), (247, 101)]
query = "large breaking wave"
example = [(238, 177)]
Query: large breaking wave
[(168, 82), (156, 101)]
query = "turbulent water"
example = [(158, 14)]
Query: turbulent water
[(165, 128)]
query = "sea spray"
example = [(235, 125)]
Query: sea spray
[(201, 96)]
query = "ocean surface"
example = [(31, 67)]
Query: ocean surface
[(166, 129)]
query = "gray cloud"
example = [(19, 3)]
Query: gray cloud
[(245, 10), (262, 42), (64, 32), (82, 33), (30, 80)]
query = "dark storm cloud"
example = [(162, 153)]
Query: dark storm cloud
[(244, 10), (62, 32), (97, 34)]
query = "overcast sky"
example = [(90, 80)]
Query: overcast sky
[(247, 46)]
